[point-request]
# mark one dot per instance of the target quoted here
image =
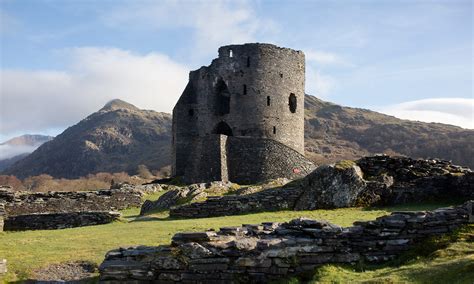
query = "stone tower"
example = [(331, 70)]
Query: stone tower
[(242, 118)]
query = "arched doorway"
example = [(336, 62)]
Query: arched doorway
[(223, 128)]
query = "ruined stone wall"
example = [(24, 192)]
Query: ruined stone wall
[(252, 90), (271, 251), (380, 180), (51, 221), (20, 203)]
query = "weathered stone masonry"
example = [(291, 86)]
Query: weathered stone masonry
[(249, 91), (270, 251), (377, 180), (22, 202), (57, 210), (51, 221)]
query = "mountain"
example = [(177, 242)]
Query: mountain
[(118, 137), (19, 147), (333, 132)]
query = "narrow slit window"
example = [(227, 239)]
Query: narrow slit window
[(191, 112), (231, 53), (245, 89), (248, 61), (268, 100), (292, 102), (274, 130)]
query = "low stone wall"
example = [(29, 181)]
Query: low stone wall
[(271, 251), (379, 180), (50, 221), (22, 203)]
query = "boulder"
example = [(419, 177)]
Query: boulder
[(331, 186)]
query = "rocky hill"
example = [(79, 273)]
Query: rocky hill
[(118, 137), (333, 132), (19, 147)]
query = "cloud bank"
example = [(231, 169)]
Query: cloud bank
[(455, 111), (37, 100)]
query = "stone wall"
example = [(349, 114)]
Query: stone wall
[(380, 180), (50, 221), (21, 203), (251, 160), (244, 160), (271, 251)]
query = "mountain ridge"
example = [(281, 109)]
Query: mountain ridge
[(121, 136)]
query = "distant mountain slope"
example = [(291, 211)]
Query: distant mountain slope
[(19, 147), (118, 137), (333, 133)]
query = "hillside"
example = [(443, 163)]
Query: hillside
[(333, 132), (118, 137)]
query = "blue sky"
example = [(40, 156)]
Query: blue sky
[(62, 60)]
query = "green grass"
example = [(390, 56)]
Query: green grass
[(30, 250), (447, 259)]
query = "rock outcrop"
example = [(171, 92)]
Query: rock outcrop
[(376, 180), (331, 186), (270, 251)]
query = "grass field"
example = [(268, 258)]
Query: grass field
[(30, 250)]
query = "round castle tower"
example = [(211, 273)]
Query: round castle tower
[(251, 90)]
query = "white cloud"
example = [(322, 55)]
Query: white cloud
[(35, 101), (213, 23), (455, 111), (318, 84), (325, 58)]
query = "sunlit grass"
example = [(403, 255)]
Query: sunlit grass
[(30, 250)]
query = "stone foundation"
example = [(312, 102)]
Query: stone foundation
[(50, 221), (270, 251), (24, 203)]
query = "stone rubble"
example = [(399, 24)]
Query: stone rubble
[(200, 191), (270, 251), (376, 180), (3, 266)]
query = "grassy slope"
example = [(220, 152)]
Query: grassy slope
[(29, 250)]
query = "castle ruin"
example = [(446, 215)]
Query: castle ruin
[(241, 119)]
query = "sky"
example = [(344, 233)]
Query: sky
[(62, 60)]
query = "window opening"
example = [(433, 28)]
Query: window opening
[(292, 102)]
